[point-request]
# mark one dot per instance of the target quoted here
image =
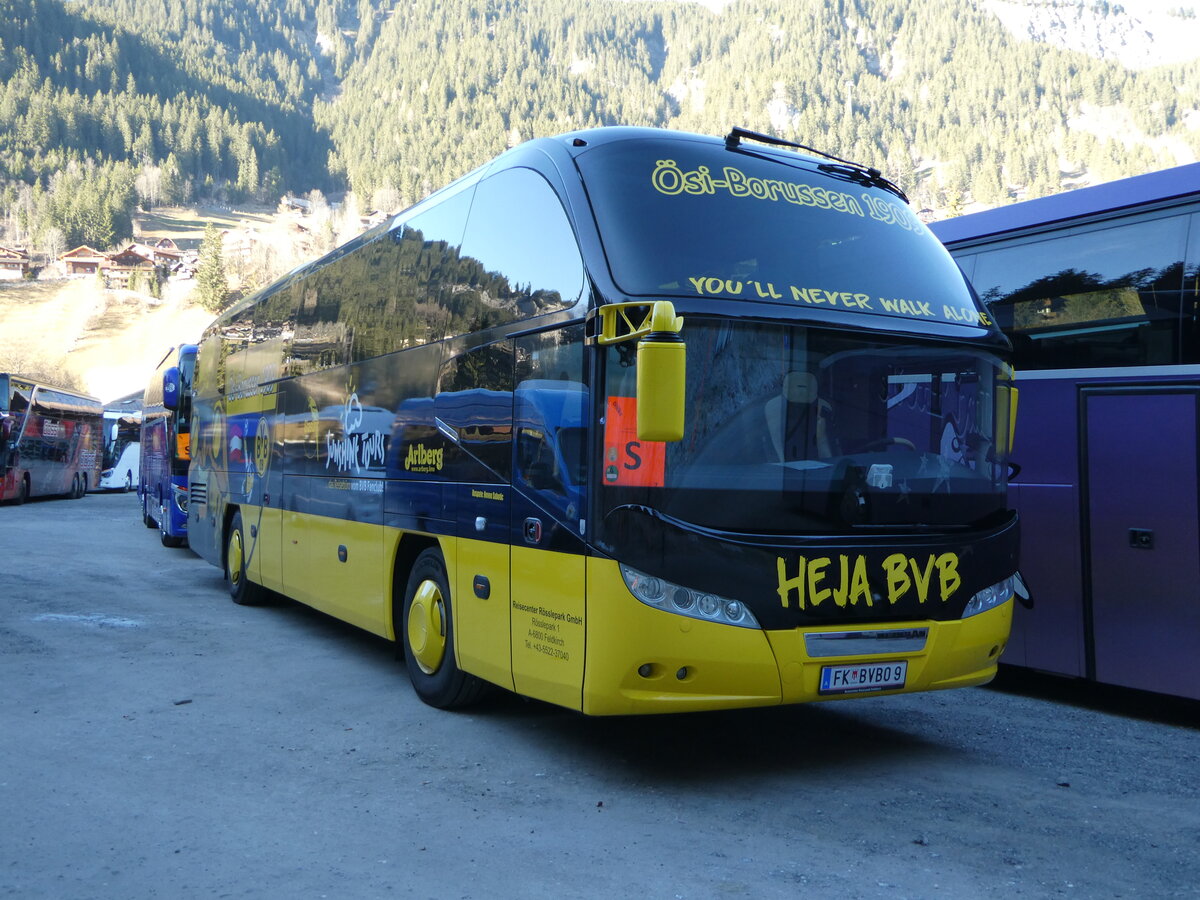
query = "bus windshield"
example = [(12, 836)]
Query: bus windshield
[(796, 430), (691, 219)]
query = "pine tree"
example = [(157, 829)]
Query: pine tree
[(212, 286)]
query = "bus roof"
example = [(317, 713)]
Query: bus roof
[(1139, 191)]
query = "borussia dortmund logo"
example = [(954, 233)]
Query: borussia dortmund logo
[(262, 446)]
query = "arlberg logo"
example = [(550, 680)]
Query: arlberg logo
[(421, 459)]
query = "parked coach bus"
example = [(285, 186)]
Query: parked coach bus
[(1099, 290), (166, 446), (122, 450), (50, 440), (795, 490)]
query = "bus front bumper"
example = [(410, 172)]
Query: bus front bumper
[(644, 660)]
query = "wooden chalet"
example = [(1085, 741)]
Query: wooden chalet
[(164, 253), (83, 260), (118, 267), (14, 264)]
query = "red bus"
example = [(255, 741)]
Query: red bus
[(51, 440)]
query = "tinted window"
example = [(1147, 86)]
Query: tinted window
[(684, 218), (550, 415), (1107, 296), (1190, 301), (520, 235), (474, 399)]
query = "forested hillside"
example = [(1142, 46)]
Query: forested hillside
[(108, 103)]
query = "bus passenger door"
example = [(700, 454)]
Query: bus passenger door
[(550, 415), (474, 402)]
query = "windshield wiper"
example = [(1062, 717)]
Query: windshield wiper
[(856, 172)]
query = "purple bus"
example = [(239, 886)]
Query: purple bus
[(1099, 291)]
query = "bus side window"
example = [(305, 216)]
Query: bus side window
[(550, 414), (519, 233), (1090, 297), (428, 275), (474, 398)]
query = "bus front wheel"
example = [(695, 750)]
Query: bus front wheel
[(241, 588), (427, 630), (167, 539)]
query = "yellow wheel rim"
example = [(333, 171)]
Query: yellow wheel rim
[(427, 627), (236, 559)]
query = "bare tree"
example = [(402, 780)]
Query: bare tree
[(47, 369)]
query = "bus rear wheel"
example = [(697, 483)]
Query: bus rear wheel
[(243, 591), (427, 630), (147, 519)]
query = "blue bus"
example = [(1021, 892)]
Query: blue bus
[(628, 421), (166, 446), (1099, 291)]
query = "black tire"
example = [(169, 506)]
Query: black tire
[(128, 483), (427, 630), (147, 519), (243, 591), (22, 491), (167, 540)]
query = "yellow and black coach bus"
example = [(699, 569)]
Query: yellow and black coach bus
[(629, 421)]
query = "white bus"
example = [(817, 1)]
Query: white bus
[(122, 450)]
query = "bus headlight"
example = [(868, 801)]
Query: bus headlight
[(682, 601), (181, 498), (991, 597)]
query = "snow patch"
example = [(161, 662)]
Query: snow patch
[(1138, 35), (783, 114), (689, 92), (1115, 123)]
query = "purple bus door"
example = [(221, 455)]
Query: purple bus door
[(1144, 537)]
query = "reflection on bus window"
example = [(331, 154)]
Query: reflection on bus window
[(1116, 302), (810, 430)]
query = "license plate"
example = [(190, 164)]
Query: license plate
[(862, 677)]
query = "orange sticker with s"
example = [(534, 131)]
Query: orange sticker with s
[(629, 462)]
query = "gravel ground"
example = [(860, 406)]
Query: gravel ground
[(158, 741)]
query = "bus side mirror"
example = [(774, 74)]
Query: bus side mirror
[(661, 363), (661, 377), (170, 388)]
